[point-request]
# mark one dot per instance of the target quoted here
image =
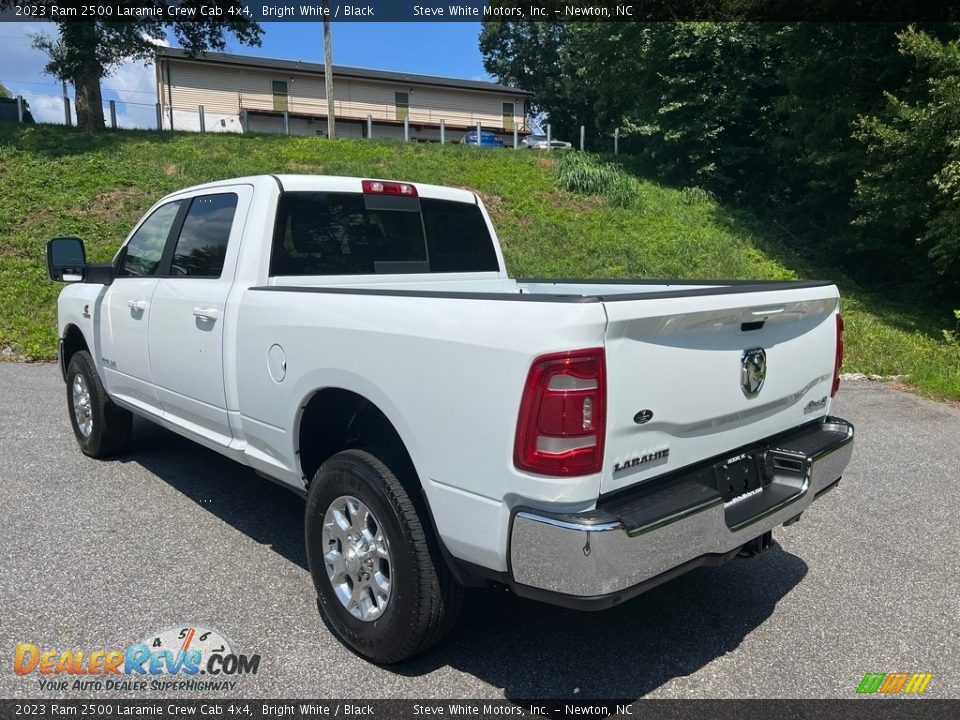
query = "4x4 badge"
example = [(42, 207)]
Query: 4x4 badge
[(753, 370)]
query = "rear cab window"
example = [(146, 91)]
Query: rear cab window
[(331, 233)]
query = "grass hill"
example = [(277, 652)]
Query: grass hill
[(56, 181)]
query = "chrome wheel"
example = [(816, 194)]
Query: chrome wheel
[(82, 411), (357, 558)]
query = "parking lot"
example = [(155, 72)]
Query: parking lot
[(98, 555)]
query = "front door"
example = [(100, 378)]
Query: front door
[(124, 349)]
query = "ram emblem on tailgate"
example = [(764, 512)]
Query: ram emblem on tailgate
[(753, 370)]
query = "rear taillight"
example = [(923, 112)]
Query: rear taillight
[(838, 360), (563, 414), (385, 187)]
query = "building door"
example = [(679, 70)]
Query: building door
[(280, 98), (508, 110), (402, 102)]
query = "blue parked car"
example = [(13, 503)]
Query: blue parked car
[(487, 139)]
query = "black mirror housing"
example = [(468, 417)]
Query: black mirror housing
[(67, 262), (66, 259)]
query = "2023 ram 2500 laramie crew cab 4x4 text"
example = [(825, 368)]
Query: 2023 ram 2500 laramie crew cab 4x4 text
[(360, 342)]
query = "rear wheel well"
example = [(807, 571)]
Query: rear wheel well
[(335, 419), (73, 342)]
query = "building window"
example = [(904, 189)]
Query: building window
[(508, 109), (280, 96), (402, 101)]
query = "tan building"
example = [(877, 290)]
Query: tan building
[(240, 93)]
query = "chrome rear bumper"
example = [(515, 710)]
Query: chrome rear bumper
[(619, 549)]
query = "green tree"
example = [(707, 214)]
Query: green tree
[(540, 57), (830, 74), (909, 194), (83, 53), (695, 99)]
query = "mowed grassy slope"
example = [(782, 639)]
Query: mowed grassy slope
[(56, 181)]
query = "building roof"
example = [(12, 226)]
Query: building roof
[(338, 71)]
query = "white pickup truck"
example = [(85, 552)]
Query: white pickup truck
[(360, 342)]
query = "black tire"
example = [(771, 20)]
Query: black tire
[(111, 425), (424, 599)]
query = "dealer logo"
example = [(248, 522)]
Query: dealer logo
[(185, 653)]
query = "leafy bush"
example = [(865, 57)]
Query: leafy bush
[(697, 196), (581, 173)]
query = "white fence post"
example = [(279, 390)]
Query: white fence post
[(369, 126), (21, 110), (516, 137), (549, 137), (286, 122), (443, 131), (478, 134), (203, 119), (245, 120), (113, 114), (616, 141), (582, 131), (406, 129), (159, 117)]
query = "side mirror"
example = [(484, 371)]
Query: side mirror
[(66, 259), (67, 262)]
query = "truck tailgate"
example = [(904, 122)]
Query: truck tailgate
[(682, 371)]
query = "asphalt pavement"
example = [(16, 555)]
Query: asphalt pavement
[(100, 554)]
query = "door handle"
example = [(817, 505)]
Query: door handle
[(137, 304), (206, 313)]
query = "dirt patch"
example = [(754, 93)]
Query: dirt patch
[(114, 204), (170, 169), (897, 384), (493, 202), (572, 201)]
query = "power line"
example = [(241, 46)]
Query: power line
[(102, 87)]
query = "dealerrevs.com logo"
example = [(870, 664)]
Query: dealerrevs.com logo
[(184, 658), (900, 683)]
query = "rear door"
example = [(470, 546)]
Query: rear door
[(189, 308), (127, 310), (684, 375)]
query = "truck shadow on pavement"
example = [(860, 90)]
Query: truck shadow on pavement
[(530, 650)]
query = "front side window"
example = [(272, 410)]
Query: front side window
[(202, 245), (143, 253)]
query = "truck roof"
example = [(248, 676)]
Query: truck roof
[(333, 183)]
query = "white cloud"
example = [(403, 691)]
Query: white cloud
[(48, 108), (154, 41), (131, 84)]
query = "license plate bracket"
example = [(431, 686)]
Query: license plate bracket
[(739, 475)]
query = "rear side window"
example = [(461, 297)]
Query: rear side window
[(350, 234), (202, 245), (143, 253), (457, 237)]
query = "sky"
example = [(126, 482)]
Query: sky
[(449, 49)]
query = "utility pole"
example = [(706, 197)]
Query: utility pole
[(328, 70), (66, 104)]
